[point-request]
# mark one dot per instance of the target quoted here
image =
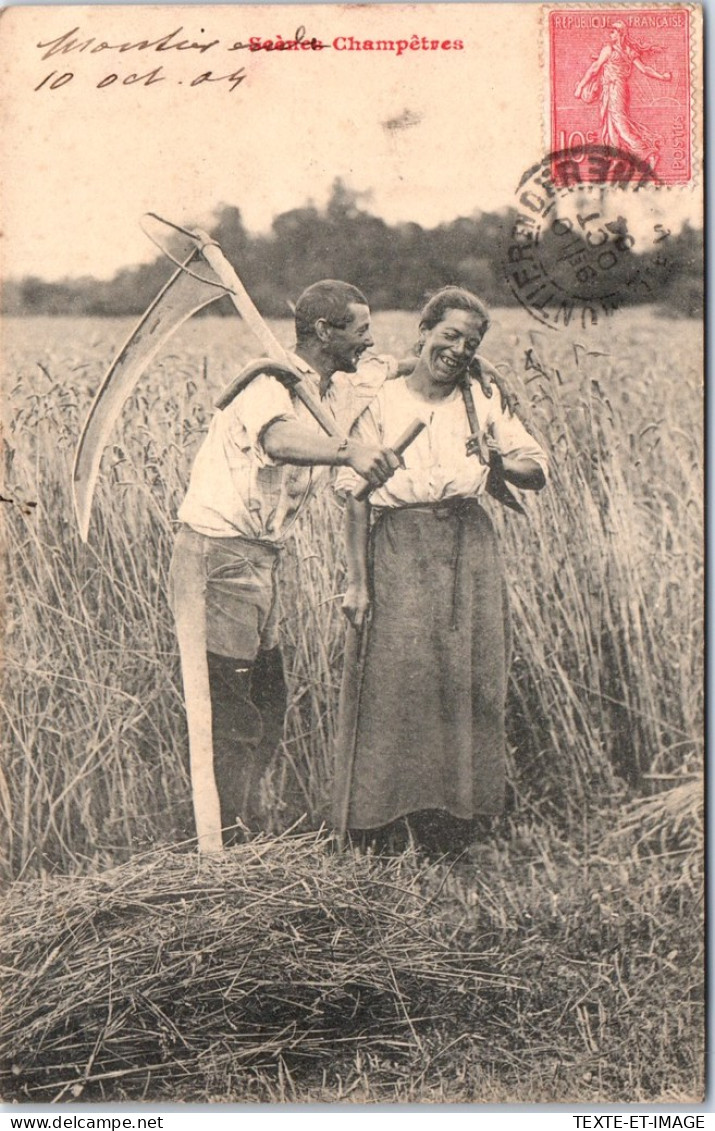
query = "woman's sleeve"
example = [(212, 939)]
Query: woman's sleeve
[(513, 439)]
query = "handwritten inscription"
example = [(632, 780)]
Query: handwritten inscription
[(177, 42), (72, 42), (55, 81)]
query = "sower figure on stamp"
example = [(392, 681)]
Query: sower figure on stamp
[(253, 475), (421, 733), (608, 78)]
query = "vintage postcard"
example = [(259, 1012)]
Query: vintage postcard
[(352, 363)]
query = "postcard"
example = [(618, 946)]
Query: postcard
[(353, 740)]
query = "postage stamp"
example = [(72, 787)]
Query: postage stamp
[(621, 78)]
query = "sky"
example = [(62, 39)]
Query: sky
[(430, 134)]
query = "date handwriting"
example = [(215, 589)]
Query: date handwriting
[(55, 81), (74, 42)]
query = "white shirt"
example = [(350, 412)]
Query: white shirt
[(236, 489), (437, 466)]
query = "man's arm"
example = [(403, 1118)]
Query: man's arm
[(287, 441)]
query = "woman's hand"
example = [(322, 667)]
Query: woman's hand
[(477, 446), (523, 472), (356, 604)]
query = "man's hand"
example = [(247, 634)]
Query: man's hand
[(374, 463), (487, 376), (356, 605)]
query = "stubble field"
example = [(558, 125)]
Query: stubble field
[(583, 905)]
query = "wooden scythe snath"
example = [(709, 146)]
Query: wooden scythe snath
[(496, 485)]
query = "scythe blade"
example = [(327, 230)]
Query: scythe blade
[(183, 295)]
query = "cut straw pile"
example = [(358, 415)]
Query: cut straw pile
[(170, 968)]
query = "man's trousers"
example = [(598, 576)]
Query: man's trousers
[(222, 592)]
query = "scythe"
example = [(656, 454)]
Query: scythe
[(185, 294)]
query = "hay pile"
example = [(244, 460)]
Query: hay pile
[(170, 969)]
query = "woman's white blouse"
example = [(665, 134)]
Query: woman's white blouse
[(437, 466)]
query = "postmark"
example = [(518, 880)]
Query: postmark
[(571, 253), (621, 78)]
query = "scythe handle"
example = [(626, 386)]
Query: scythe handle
[(317, 411), (292, 381), (467, 396), (495, 486), (239, 296), (348, 716)]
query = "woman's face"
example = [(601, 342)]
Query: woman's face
[(449, 347)]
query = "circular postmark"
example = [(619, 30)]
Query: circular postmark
[(569, 254)]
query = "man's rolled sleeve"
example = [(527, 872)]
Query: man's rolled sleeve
[(373, 371), (353, 392), (263, 403)]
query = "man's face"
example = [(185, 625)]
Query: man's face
[(346, 344)]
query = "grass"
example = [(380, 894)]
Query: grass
[(589, 892), (289, 972)]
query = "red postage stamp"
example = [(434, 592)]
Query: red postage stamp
[(620, 78)]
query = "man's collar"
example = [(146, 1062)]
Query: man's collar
[(324, 383)]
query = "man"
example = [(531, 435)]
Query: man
[(251, 479)]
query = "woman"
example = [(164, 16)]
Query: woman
[(422, 705), (609, 76)]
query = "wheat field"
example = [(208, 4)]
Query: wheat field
[(605, 714)]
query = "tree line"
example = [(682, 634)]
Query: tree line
[(395, 265)]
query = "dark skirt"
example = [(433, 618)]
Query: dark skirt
[(429, 732)]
